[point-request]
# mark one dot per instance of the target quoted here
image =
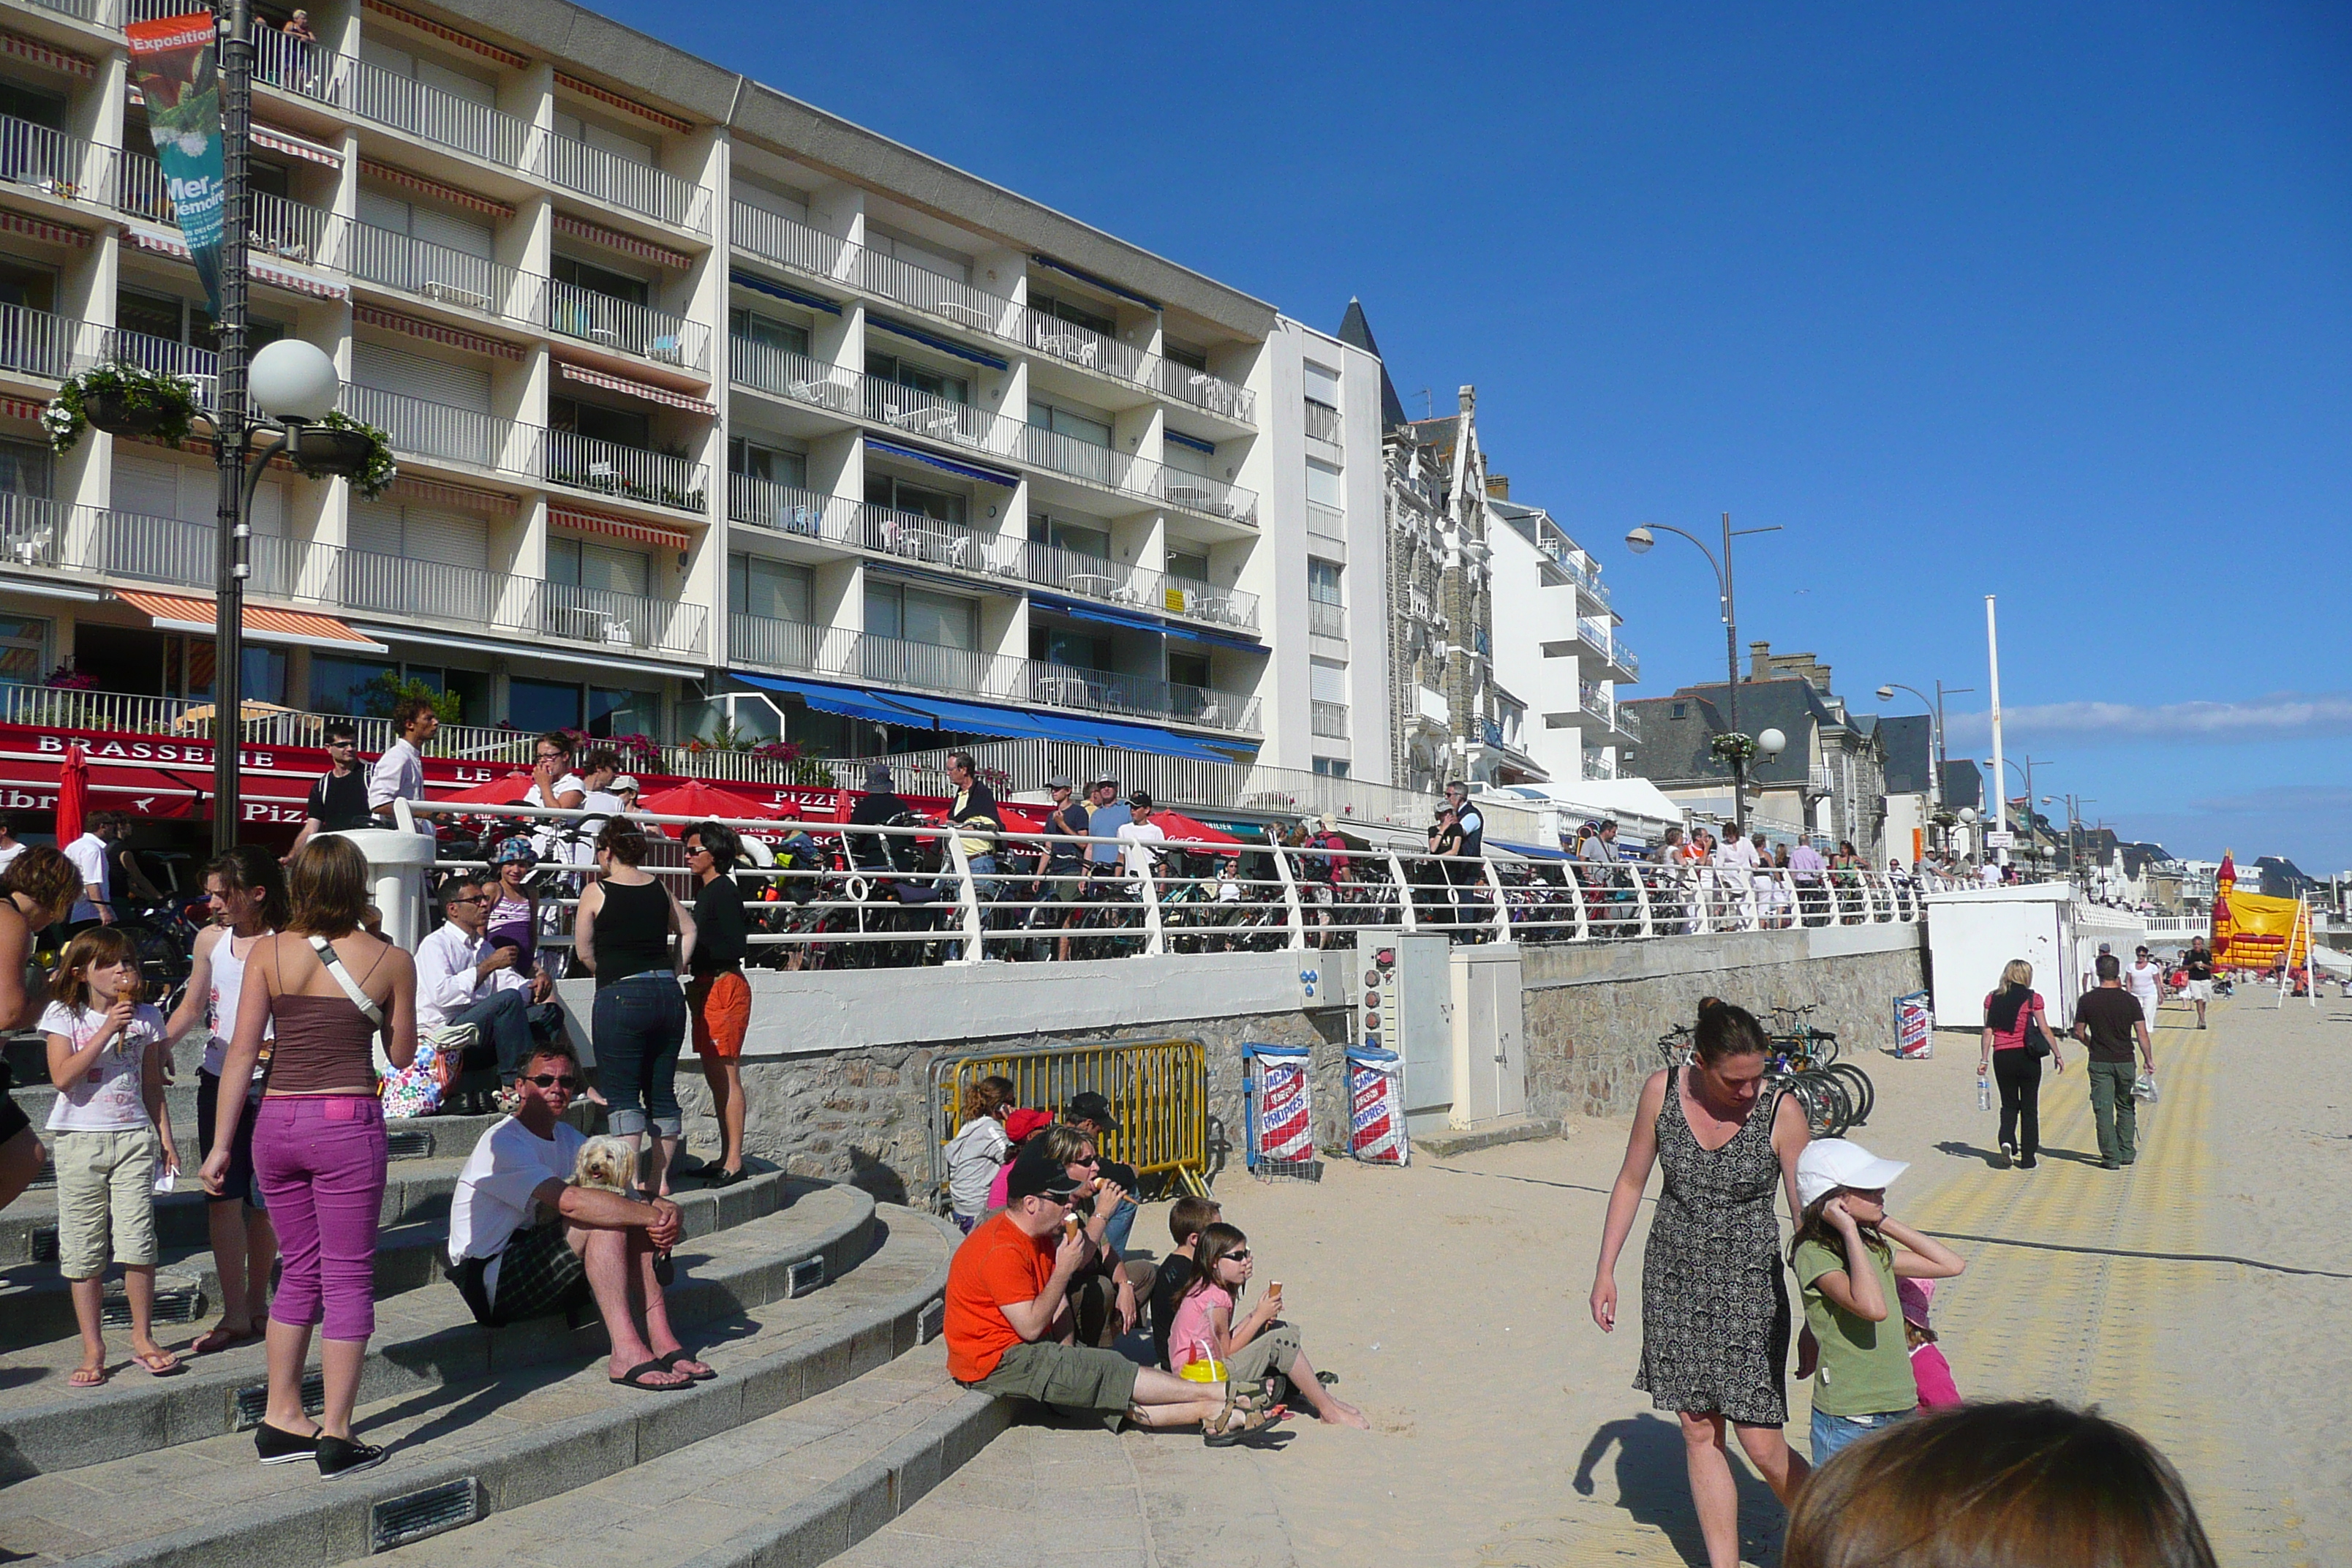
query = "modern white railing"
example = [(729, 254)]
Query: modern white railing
[(773, 236), (1080, 345), (48, 161), (626, 325), (774, 644), (440, 273), (38, 343), (1322, 422), (608, 468), (948, 299), (608, 177), (438, 431), (1326, 619), (1327, 721)]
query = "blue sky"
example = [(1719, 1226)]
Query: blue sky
[(2054, 302)]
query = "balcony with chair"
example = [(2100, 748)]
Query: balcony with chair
[(623, 326), (440, 275), (1114, 693), (1073, 343), (460, 436), (1210, 393), (790, 243)]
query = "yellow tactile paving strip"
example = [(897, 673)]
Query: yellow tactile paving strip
[(2076, 1316)]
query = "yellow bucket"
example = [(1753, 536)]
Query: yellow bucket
[(1204, 1371)]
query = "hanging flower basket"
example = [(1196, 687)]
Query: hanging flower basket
[(121, 399), (1734, 747), (341, 447)]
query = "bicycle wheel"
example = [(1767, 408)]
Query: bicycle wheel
[(1822, 1046), (1822, 1099), (1859, 1090)]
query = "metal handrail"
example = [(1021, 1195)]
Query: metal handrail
[(611, 322), (1080, 345)]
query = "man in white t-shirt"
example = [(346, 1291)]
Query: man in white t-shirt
[(526, 1241), (1139, 836), (399, 773), (10, 846), (92, 855), (2145, 981)]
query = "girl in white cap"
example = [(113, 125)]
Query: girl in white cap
[(1847, 1255)]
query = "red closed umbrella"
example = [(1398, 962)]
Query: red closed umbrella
[(73, 795)]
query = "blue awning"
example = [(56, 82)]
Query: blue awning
[(951, 465), (1141, 620), (1093, 732), (1532, 851), (1194, 442), (1104, 284), (932, 341), (976, 718), (798, 297), (1222, 639), (853, 701)]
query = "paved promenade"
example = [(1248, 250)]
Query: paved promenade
[(2200, 1296)]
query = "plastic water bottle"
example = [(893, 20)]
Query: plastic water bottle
[(1984, 1093)]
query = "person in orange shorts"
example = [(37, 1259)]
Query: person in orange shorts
[(718, 996)]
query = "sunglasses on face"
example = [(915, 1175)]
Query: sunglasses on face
[(470, 898), (1089, 1159), (564, 1081), (1238, 1255)]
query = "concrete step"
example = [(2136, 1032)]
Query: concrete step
[(464, 1452), (742, 1253), (799, 1485), (411, 1137)]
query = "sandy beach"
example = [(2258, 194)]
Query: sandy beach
[(2198, 1296)]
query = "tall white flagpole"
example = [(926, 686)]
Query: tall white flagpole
[(1999, 784)]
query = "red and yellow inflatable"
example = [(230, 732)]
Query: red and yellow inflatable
[(2250, 931)]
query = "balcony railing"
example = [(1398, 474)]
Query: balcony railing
[(435, 430), (896, 662), (1203, 390), (1597, 635), (775, 644), (623, 324), (786, 242), (163, 356), (98, 13), (169, 551), (1326, 619), (1078, 345), (1198, 492), (36, 343), (1329, 721), (436, 272), (46, 160), (950, 299), (404, 103), (1322, 422), (1138, 696)]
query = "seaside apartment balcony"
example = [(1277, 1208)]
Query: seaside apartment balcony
[(1326, 619), (42, 534), (1599, 636), (1327, 721), (796, 647), (787, 242), (1616, 715), (438, 433), (856, 396), (979, 553)]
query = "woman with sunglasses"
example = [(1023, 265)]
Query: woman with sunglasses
[(1108, 1289), (622, 934), (1256, 1345)]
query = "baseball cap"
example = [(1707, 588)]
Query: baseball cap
[(877, 777), (1025, 1123), (1141, 798), (623, 784), (1101, 779), (1829, 1163), (1094, 1107), (1059, 781), (1035, 1176)]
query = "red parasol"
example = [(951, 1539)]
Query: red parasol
[(73, 795), (1182, 829), (695, 798), (508, 791)]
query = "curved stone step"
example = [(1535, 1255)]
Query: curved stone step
[(425, 1338), (484, 1448)]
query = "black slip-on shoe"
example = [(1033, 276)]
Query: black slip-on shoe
[(338, 1457), (276, 1445)]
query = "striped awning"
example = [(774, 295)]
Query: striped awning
[(186, 613), (454, 497), (263, 271), (434, 331), (627, 244), (295, 146), (617, 527), (46, 56), (19, 408), (605, 95), (446, 34), (41, 229), (645, 389), (434, 188)]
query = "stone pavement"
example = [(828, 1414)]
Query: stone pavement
[(2188, 1296)]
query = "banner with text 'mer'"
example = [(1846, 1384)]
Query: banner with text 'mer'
[(178, 71)]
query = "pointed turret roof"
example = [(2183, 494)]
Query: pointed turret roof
[(1357, 333)]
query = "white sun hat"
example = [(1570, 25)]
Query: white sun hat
[(1829, 1163)]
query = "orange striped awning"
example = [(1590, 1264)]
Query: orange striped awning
[(454, 497), (41, 229), (19, 408), (645, 389), (434, 331), (627, 244), (295, 146), (617, 527), (446, 34), (605, 95), (434, 188), (49, 57), (268, 272), (185, 612)]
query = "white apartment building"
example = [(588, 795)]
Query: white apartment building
[(705, 401), (1556, 644)]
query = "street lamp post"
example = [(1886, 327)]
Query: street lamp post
[(1638, 539)]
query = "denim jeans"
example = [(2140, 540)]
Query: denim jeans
[(1122, 1226), (639, 1027), (504, 1019), (1831, 1433)]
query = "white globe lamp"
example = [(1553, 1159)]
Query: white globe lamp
[(293, 380)]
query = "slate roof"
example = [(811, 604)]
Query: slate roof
[(1356, 331), (1677, 750), (1910, 756), (1963, 784)]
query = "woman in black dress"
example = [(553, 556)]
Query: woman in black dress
[(1715, 1310)]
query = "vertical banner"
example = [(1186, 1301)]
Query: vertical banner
[(1915, 1031), (1376, 1098), (179, 71), (1281, 1130)]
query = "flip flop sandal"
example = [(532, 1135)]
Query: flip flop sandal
[(636, 1378), (213, 1340), (174, 1369), (89, 1378), (682, 1353)]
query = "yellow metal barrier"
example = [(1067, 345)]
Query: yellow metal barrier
[(1158, 1090)]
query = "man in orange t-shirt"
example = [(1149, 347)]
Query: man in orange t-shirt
[(1009, 1321)]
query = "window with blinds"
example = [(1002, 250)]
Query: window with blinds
[(421, 533)]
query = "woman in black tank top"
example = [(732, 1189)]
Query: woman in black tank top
[(626, 921)]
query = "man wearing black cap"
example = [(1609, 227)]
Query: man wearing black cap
[(1008, 1319), (1090, 1112), (871, 852)]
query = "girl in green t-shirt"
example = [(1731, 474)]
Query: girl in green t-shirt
[(1847, 1256)]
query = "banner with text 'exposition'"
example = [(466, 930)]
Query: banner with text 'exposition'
[(178, 71)]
